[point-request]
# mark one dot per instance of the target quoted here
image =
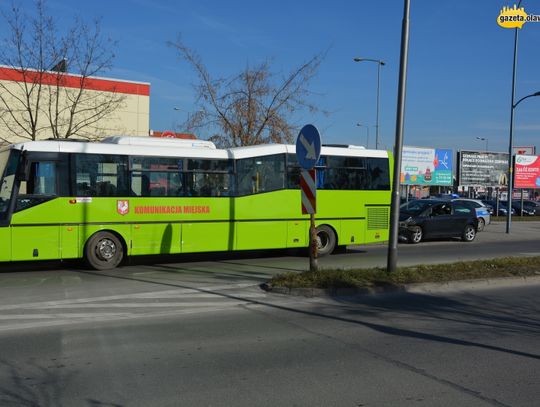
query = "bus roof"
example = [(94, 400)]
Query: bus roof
[(141, 146), (115, 146), (157, 142)]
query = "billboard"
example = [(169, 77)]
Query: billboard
[(485, 169), (426, 166), (527, 171)]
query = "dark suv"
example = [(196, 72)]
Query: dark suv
[(429, 218)]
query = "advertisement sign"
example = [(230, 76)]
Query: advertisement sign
[(172, 134), (524, 150), (527, 171), (426, 166), (485, 169)]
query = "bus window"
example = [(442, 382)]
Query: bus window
[(260, 174), (208, 184), (100, 175), (207, 177), (207, 165), (293, 172), (48, 178), (378, 174), (43, 178), (157, 176), (342, 173)]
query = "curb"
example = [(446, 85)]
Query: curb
[(448, 286), (460, 285), (332, 292)]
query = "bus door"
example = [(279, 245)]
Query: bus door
[(5, 246), (36, 222), (9, 160)]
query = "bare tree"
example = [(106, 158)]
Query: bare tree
[(38, 99), (252, 107)]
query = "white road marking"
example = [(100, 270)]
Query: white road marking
[(63, 315), (149, 304), (177, 294), (145, 304), (112, 317)]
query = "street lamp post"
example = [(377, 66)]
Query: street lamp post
[(484, 139), (511, 138), (379, 64), (391, 264), (367, 129), (510, 146)]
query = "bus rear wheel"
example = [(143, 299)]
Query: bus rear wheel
[(103, 251), (326, 240)]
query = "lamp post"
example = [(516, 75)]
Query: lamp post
[(511, 138), (391, 264), (367, 129), (484, 139), (510, 146), (379, 64)]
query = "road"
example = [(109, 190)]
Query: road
[(202, 333)]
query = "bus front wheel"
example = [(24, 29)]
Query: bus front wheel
[(103, 251), (326, 240)]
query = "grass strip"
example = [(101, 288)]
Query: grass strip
[(517, 218), (378, 277)]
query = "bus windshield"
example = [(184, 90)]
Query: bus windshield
[(8, 169)]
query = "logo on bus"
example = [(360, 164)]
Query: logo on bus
[(122, 207)]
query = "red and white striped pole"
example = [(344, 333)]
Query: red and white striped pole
[(308, 188)]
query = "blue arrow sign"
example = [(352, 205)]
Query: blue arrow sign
[(308, 146)]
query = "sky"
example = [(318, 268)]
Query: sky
[(459, 71)]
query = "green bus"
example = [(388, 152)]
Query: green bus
[(129, 196)]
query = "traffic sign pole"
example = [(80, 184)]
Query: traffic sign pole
[(308, 151), (308, 188), (313, 252)]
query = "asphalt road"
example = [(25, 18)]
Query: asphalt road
[(244, 348), (199, 332)]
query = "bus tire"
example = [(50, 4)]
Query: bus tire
[(103, 251), (326, 240)]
